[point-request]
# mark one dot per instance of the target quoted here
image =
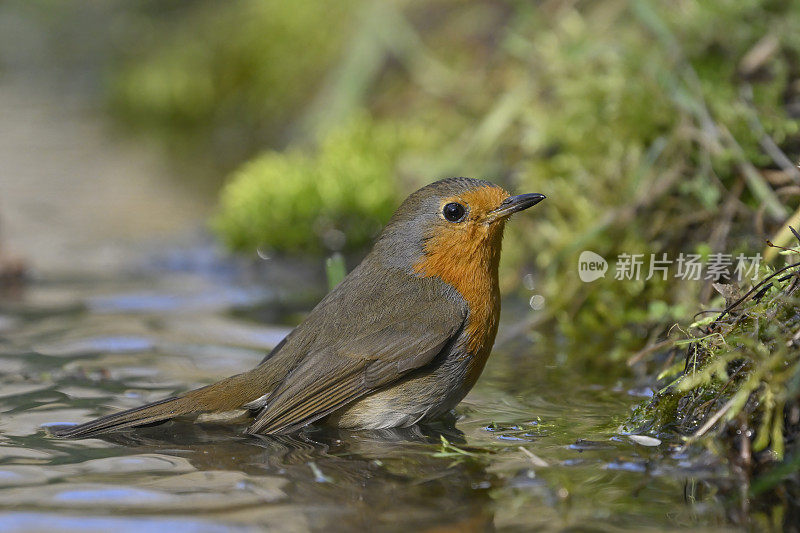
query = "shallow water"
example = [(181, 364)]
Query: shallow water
[(536, 444)]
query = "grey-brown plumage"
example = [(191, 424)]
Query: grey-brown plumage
[(403, 337)]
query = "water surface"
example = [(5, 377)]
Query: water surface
[(537, 444)]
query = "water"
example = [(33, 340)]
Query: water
[(537, 444)]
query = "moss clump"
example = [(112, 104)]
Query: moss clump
[(738, 384), (335, 197)]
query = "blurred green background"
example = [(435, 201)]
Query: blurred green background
[(652, 127), (644, 122)]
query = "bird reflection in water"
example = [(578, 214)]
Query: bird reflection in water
[(382, 479)]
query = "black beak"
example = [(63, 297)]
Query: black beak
[(512, 204)]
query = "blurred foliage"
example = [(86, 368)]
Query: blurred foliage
[(335, 270), (649, 129), (227, 78)]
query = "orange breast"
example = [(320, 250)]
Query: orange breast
[(466, 256)]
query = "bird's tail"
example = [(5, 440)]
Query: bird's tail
[(227, 395)]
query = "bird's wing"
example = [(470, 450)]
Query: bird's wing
[(405, 335)]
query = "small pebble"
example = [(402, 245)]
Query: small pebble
[(644, 440)]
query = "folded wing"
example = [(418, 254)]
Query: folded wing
[(405, 336)]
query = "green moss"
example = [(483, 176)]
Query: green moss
[(737, 379), (335, 197)]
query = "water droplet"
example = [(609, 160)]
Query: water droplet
[(537, 302)]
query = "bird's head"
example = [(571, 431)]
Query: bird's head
[(452, 227)]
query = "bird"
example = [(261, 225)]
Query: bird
[(400, 340)]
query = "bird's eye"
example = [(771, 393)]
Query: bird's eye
[(454, 212)]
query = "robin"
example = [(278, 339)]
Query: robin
[(401, 339)]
